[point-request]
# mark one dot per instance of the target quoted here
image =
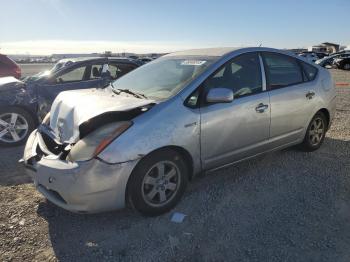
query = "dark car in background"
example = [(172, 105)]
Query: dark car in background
[(8, 67), (342, 63), (23, 104), (328, 60)]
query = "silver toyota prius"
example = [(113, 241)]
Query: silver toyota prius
[(143, 137)]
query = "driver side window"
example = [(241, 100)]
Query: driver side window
[(75, 75), (242, 75)]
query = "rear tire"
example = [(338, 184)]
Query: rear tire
[(158, 182), (346, 66), (16, 125), (315, 133)]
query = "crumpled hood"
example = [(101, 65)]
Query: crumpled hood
[(10, 82), (72, 108)]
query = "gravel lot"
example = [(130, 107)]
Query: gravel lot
[(283, 206)]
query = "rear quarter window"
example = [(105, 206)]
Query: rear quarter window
[(309, 70)]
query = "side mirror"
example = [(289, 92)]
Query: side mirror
[(220, 95)]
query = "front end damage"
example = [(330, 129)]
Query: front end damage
[(82, 186), (71, 175)]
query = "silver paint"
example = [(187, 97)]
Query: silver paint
[(213, 136)]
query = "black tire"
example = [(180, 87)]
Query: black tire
[(346, 66), (139, 191), (23, 118), (310, 143)]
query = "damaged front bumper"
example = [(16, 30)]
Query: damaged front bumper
[(84, 187)]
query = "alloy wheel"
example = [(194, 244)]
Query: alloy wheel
[(161, 183), (13, 127), (316, 131), (347, 66)]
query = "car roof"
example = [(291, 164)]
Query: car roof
[(219, 51), (223, 51), (69, 62), (93, 59)]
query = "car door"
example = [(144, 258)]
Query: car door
[(292, 96), (76, 77), (236, 130)]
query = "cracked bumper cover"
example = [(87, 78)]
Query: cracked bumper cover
[(84, 187)]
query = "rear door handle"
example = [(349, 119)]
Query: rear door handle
[(310, 94), (261, 108)]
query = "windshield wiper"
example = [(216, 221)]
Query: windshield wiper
[(128, 91)]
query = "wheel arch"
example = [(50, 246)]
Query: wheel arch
[(182, 151), (327, 115)]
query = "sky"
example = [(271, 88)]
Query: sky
[(42, 27)]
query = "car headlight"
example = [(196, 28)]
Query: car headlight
[(95, 142)]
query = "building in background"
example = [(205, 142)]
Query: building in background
[(326, 47)]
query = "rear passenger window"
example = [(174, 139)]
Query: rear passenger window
[(118, 70), (281, 70), (310, 71), (95, 71)]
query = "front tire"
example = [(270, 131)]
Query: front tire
[(15, 126), (158, 182), (315, 133)]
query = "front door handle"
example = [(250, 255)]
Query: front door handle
[(310, 94), (261, 108)]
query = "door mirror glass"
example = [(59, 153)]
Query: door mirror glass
[(220, 95)]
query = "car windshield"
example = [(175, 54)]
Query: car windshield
[(163, 77)]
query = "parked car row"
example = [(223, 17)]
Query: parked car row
[(145, 135), (23, 104), (338, 60)]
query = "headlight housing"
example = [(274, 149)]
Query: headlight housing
[(95, 142)]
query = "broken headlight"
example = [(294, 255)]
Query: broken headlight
[(95, 142)]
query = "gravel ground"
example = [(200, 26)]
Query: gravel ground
[(283, 206)]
